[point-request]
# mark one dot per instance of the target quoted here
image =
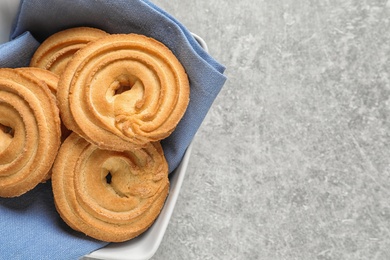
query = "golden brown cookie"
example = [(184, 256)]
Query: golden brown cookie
[(47, 76), (123, 90), (108, 195), (29, 132), (51, 81), (55, 52)]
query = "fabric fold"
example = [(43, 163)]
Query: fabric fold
[(18, 52)]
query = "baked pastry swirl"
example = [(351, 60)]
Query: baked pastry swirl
[(109, 195), (29, 131), (56, 51), (123, 90), (51, 81), (46, 76)]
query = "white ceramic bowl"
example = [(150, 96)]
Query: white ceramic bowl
[(145, 245)]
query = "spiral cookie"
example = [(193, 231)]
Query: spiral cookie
[(108, 195), (29, 132), (55, 52), (123, 90)]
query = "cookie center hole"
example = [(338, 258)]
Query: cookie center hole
[(108, 178), (122, 88), (7, 130), (6, 136), (123, 83)]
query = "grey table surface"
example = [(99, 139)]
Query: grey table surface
[(292, 160)]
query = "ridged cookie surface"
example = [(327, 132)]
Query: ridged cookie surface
[(123, 90), (29, 131), (111, 196), (56, 51)]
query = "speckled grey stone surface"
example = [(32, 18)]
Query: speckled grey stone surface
[(293, 159)]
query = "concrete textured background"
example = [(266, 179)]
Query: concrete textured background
[(292, 161)]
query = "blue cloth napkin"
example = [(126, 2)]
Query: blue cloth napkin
[(30, 228)]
